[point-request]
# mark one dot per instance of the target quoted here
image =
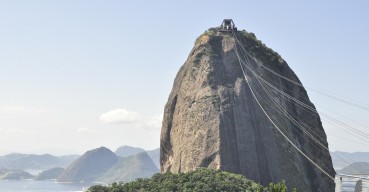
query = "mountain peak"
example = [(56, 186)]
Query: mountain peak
[(213, 116), (89, 166)]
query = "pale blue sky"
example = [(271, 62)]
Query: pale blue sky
[(65, 63)]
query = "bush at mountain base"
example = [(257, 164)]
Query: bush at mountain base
[(201, 180)]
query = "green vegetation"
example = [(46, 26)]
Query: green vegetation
[(254, 46), (204, 180), (14, 174), (259, 50)]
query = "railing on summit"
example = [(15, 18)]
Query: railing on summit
[(227, 26)]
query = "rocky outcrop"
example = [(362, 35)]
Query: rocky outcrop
[(212, 119)]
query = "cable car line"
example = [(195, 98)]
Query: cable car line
[(315, 112), (296, 123), (262, 108), (311, 108), (285, 113), (361, 106), (302, 105)]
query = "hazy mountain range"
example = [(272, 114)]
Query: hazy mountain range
[(130, 168), (14, 174), (52, 173), (347, 157), (125, 151), (357, 168), (35, 162), (89, 166), (125, 164), (102, 165)]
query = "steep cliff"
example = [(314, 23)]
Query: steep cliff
[(213, 120)]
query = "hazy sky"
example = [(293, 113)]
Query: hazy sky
[(75, 75)]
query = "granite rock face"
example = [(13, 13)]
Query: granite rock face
[(212, 119)]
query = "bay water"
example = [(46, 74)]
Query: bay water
[(41, 186)]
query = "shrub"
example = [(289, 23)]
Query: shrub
[(200, 180)]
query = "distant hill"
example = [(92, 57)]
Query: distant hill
[(15, 174), (349, 157), (357, 168), (130, 168), (155, 156), (52, 173), (125, 151), (31, 161), (89, 166), (102, 165), (68, 159)]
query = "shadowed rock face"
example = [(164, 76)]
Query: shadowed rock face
[(212, 120)]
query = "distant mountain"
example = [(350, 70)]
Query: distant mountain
[(102, 165), (15, 174), (349, 157), (125, 151), (155, 156), (52, 173), (89, 166), (31, 161), (356, 169), (130, 168), (68, 159)]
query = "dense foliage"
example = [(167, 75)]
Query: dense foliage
[(204, 180)]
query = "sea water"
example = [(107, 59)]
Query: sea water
[(53, 186), (41, 186)]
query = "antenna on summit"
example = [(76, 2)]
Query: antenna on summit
[(227, 26)]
